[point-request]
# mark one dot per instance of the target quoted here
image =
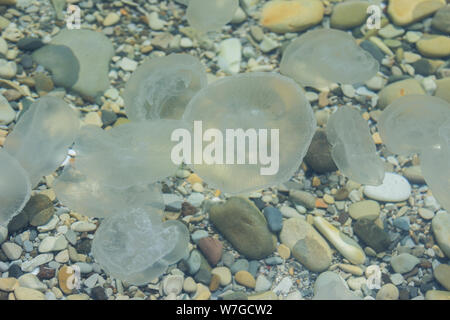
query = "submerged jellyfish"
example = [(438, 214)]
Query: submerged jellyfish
[(132, 154), (353, 149), (259, 126), (15, 187), (435, 165), (410, 124), (90, 197), (210, 15), (162, 87), (324, 56), (42, 136), (137, 247)]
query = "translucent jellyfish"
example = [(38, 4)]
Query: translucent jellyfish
[(42, 136), (261, 127), (210, 15), (137, 247), (162, 87), (90, 197), (15, 188), (134, 153), (353, 149), (324, 56), (435, 165), (410, 124)]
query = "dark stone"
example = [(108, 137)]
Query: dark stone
[(423, 67), (343, 217), (61, 61), (188, 209), (203, 276), (318, 157), (372, 235), (98, 293), (441, 20), (15, 271), (46, 273), (29, 43), (3, 296), (108, 117), (43, 83), (393, 78), (373, 49), (26, 61), (403, 294), (39, 210), (258, 203), (18, 222), (84, 246), (274, 219)]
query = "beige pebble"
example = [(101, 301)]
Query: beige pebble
[(245, 278), (284, 251), (224, 273)]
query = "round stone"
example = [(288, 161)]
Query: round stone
[(394, 188), (367, 209), (441, 229), (404, 262), (388, 292), (245, 278), (224, 275)]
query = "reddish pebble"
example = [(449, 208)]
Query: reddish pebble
[(211, 249)]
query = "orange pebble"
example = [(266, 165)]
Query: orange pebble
[(321, 204)]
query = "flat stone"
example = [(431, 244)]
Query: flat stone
[(53, 244), (29, 43), (443, 89), (111, 19), (229, 58), (245, 278), (442, 275), (344, 244), (8, 284), (189, 285), (83, 226), (12, 250), (127, 64), (441, 20), (240, 264), (303, 198), (7, 114), (366, 209), (406, 12), (331, 286), (306, 244), (441, 230), (426, 214), (289, 212), (274, 219), (224, 274), (404, 262), (318, 156), (388, 292), (41, 259), (262, 284), (390, 31), (29, 280), (437, 295), (173, 284), (291, 16), (241, 223), (28, 294), (394, 188), (372, 235), (348, 15), (414, 175), (434, 46), (398, 89), (211, 248), (39, 210)]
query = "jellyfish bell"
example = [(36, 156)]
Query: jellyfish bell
[(210, 15), (264, 117)]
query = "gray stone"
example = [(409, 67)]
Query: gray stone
[(12, 250), (239, 265), (331, 286), (240, 221), (441, 230), (404, 262), (318, 156), (7, 114), (441, 20)]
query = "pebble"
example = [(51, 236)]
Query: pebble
[(268, 44), (327, 280), (367, 209), (12, 250), (291, 16), (239, 16), (253, 267), (388, 292), (224, 274), (441, 230), (194, 261), (127, 64), (397, 279), (29, 43), (189, 285), (245, 278), (284, 251), (29, 280), (441, 20), (196, 199), (229, 58), (402, 223), (155, 22), (404, 262), (198, 234), (303, 198), (98, 293), (8, 284), (239, 265), (406, 12), (442, 275), (274, 219), (397, 89), (53, 244), (372, 235), (8, 69), (318, 156), (41, 259), (395, 188), (349, 14), (289, 212), (437, 295), (111, 19), (355, 270), (272, 261), (434, 46), (65, 279), (7, 114), (211, 248), (262, 284), (356, 283), (390, 31), (306, 244), (83, 226), (28, 294), (3, 47), (242, 224), (283, 286), (414, 175), (344, 244)]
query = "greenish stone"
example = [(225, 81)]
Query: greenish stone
[(244, 226), (392, 43), (372, 235), (39, 210), (349, 14), (239, 295)]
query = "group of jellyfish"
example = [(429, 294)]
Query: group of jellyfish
[(115, 172)]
